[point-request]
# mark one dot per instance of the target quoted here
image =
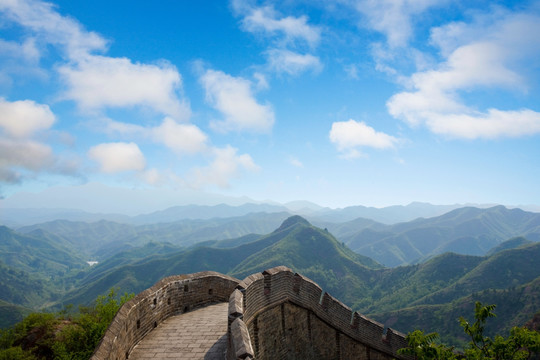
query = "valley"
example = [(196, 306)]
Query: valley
[(422, 273)]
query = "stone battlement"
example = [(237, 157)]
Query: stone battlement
[(170, 296), (275, 314), (289, 316)]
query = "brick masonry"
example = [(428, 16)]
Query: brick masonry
[(276, 314)]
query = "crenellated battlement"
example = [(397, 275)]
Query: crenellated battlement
[(274, 314), (170, 296), (286, 312)]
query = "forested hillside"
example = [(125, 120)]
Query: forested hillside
[(431, 289)]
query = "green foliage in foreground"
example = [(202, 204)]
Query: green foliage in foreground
[(61, 336), (521, 344)]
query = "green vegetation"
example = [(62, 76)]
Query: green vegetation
[(426, 296), (521, 344), (468, 230), (61, 336)]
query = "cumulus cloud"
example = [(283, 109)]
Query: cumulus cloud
[(20, 156), (182, 138), (95, 81), (98, 81), (233, 97), (349, 136), (21, 119), (285, 33), (267, 20), (286, 61), (41, 18), (393, 18), (118, 157), (493, 58), (179, 137), (226, 165)]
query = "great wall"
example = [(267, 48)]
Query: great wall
[(275, 314)]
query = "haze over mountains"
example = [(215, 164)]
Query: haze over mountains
[(389, 271), (21, 216)]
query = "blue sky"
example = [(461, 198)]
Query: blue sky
[(339, 102)]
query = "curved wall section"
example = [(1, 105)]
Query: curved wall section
[(289, 316), (170, 296)]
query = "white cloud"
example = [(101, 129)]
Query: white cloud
[(21, 119), (233, 97), (226, 165), (56, 29), (489, 125), (494, 57), (181, 138), (286, 61), (393, 18), (94, 81), (118, 157), (350, 135), (26, 51), (98, 81), (267, 20), (19, 156)]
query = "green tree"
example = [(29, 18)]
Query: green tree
[(521, 344), (62, 336), (424, 346)]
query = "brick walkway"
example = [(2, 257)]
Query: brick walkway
[(198, 334)]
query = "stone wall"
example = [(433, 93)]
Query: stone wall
[(288, 316), (276, 314), (170, 296)]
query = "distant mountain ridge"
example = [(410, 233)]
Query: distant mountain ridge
[(468, 230), (19, 217)]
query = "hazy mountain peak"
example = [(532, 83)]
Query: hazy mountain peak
[(293, 220)]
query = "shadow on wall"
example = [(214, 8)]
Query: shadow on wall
[(275, 314)]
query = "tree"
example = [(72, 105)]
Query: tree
[(61, 336), (521, 344)]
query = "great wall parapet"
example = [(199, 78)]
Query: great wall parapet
[(170, 296), (275, 314)]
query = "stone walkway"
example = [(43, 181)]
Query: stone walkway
[(198, 334)]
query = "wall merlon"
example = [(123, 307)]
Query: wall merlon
[(252, 278), (277, 307), (236, 306), (276, 270), (241, 342)]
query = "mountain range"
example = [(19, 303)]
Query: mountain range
[(18, 217), (425, 291)]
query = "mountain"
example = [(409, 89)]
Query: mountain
[(295, 235), (38, 252), (204, 212), (86, 238), (11, 313), (25, 289), (468, 230), (17, 218), (386, 215), (513, 243), (418, 295), (515, 306), (102, 239), (315, 253)]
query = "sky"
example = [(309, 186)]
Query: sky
[(107, 104)]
